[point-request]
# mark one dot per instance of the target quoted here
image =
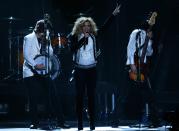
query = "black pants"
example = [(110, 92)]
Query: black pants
[(140, 94), (43, 86), (131, 104), (85, 79)]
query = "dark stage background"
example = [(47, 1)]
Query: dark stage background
[(112, 75)]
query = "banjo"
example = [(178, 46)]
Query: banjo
[(52, 66), (50, 62)]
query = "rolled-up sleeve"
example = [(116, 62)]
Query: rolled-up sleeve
[(131, 48), (27, 50)]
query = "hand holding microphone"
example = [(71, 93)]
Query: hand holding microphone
[(86, 35)]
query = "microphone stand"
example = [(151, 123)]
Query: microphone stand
[(138, 37), (47, 43), (139, 67), (140, 59), (51, 83)]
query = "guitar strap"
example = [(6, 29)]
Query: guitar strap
[(138, 47), (144, 48), (137, 53), (31, 68)]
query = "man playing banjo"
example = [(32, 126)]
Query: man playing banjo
[(38, 61)]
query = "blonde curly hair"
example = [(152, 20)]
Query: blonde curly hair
[(79, 23)]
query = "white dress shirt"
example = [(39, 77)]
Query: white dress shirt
[(86, 54), (131, 48)]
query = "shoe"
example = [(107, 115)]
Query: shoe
[(154, 125), (92, 127), (114, 124), (80, 128), (33, 126), (48, 127), (137, 126), (64, 126)]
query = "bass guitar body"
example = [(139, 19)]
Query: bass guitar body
[(141, 73), (136, 77)]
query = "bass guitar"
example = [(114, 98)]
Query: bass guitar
[(142, 68)]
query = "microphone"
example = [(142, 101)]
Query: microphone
[(47, 34), (46, 17), (86, 37), (47, 25), (47, 21), (86, 40)]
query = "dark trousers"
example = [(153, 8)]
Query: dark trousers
[(139, 94), (131, 104), (85, 79), (43, 89)]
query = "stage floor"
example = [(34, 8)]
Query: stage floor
[(120, 128), (23, 125)]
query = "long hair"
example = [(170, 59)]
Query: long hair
[(79, 23), (144, 25)]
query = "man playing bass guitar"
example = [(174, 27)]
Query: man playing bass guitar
[(140, 93), (139, 47)]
